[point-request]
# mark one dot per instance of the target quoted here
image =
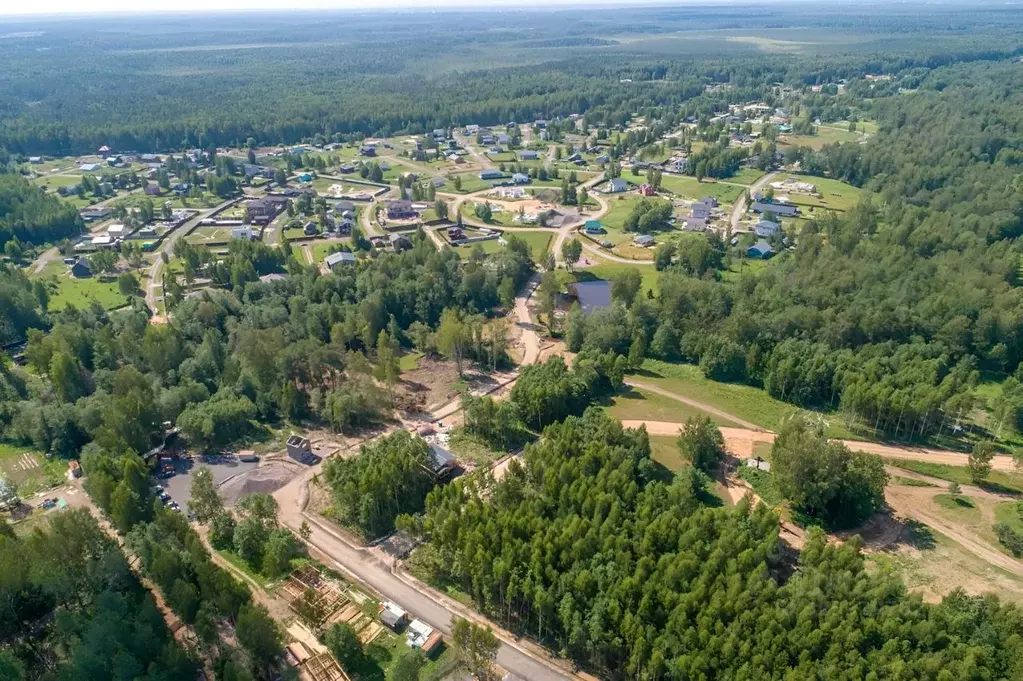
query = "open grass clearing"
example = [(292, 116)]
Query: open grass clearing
[(690, 188), (834, 194), (29, 470), (81, 293), (746, 176), (934, 565), (746, 402), (635, 404), (996, 481)]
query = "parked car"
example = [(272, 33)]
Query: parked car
[(48, 503)]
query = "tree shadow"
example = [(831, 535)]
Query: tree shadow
[(886, 532)]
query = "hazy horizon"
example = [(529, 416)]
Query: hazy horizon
[(44, 8)]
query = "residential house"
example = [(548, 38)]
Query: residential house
[(421, 635), (440, 462), (35, 159), (520, 178), (472, 129), (540, 124), (574, 158), (117, 231), (647, 190), (253, 170), (617, 185), (399, 242), (347, 168), (81, 269), (593, 228), (401, 210), (344, 207), (491, 174), (503, 139), (700, 210), (644, 240), (766, 228), (603, 159), (89, 167), (760, 251), (511, 125), (310, 229), (437, 182), (262, 211), (243, 232), (695, 224), (95, 213), (368, 151), (487, 139), (781, 209), (152, 189), (392, 615), (440, 132), (528, 155), (494, 150), (334, 261), (305, 177)]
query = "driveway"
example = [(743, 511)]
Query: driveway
[(179, 485)]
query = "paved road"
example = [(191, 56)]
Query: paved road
[(167, 246), (371, 571)]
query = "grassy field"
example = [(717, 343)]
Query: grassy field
[(746, 176), (1007, 512), (209, 234), (835, 195), (633, 404), (607, 270), (996, 480), (321, 249), (80, 293), (664, 450), (746, 402), (471, 182), (621, 206), (539, 243), (29, 470), (686, 186)]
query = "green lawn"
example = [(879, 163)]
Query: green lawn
[(664, 450), (632, 404), (834, 195), (1007, 512), (746, 176), (471, 182), (608, 270), (763, 484), (746, 402), (321, 249), (80, 293), (539, 243), (621, 206), (686, 186)]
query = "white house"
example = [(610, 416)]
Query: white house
[(617, 185), (243, 232), (89, 167), (116, 230)]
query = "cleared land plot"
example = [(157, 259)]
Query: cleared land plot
[(621, 206), (996, 480), (607, 270), (745, 402), (209, 234), (746, 176), (539, 243), (636, 404), (80, 293), (934, 565), (834, 194), (29, 470), (686, 186), (321, 249), (471, 182)]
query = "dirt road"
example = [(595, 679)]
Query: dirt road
[(740, 204)]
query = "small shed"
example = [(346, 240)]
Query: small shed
[(643, 240)]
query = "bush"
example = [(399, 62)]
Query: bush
[(1009, 538)]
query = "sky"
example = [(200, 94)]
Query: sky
[(18, 7)]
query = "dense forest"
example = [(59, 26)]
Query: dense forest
[(584, 547), (297, 349), (70, 609), (28, 215), (142, 87), (889, 310)]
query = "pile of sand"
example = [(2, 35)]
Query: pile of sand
[(263, 480)]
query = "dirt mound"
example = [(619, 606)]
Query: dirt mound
[(263, 480)]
